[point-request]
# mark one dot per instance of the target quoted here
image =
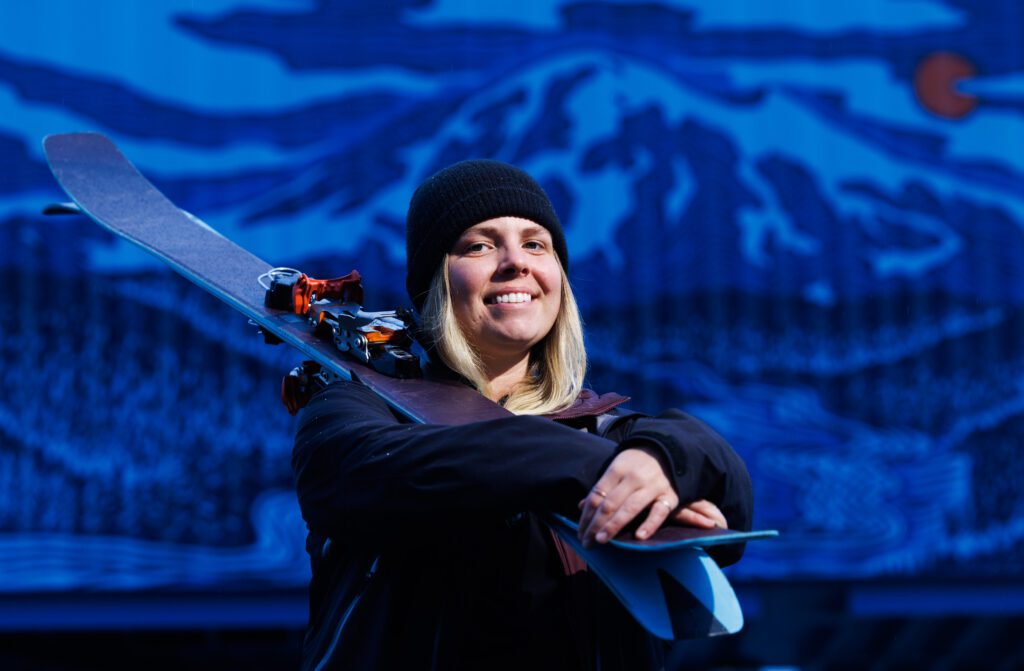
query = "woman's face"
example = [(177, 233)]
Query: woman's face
[(506, 285)]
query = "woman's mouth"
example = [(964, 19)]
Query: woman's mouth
[(510, 297)]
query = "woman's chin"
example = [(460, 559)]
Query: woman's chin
[(511, 341)]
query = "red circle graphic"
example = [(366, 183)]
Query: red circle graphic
[(935, 84)]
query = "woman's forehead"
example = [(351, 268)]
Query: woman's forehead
[(506, 226)]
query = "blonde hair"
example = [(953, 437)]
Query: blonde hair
[(558, 363)]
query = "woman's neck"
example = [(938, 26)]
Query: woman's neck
[(503, 376)]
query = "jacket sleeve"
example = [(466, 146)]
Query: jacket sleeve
[(357, 468), (702, 465)]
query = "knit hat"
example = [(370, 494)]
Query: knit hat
[(463, 195)]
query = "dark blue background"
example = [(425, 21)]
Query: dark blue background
[(768, 228)]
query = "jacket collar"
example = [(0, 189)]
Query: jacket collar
[(590, 404)]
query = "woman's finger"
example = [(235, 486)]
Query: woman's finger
[(692, 518), (662, 507), (597, 506), (594, 502), (708, 509), (631, 508)]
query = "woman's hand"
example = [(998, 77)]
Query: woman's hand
[(635, 481)]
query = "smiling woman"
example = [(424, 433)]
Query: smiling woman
[(488, 234), (427, 544)]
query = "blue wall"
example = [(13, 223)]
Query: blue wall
[(800, 221)]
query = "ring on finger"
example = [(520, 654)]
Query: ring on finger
[(600, 492), (666, 504)]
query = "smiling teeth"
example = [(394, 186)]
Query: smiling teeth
[(513, 298)]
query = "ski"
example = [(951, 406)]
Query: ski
[(104, 185), (668, 582)]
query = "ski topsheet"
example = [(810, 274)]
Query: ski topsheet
[(668, 583)]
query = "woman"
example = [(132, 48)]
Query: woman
[(425, 541)]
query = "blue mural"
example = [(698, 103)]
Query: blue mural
[(803, 224)]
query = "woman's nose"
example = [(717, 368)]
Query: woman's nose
[(514, 261)]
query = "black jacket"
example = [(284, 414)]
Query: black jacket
[(426, 551)]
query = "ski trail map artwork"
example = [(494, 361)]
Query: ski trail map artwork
[(803, 227)]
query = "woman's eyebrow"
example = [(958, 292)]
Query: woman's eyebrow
[(482, 230), (533, 230)]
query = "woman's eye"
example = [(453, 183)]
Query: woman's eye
[(476, 247)]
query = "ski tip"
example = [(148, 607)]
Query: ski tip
[(51, 138), (56, 139)]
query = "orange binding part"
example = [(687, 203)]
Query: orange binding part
[(346, 289), (378, 334)]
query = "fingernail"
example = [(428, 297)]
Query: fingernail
[(602, 537), (641, 534)]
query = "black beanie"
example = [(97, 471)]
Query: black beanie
[(463, 195)]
